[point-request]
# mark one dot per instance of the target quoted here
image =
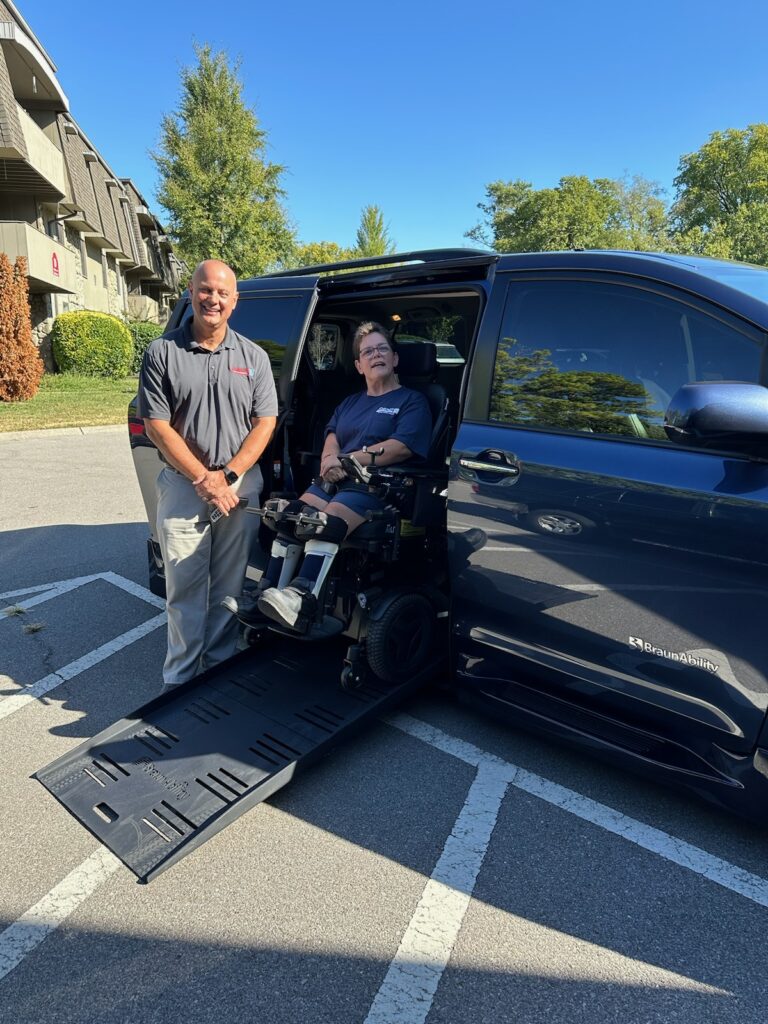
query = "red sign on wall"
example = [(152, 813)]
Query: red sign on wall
[(55, 264)]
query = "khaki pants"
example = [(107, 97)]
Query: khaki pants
[(203, 564)]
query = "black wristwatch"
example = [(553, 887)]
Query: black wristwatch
[(230, 475)]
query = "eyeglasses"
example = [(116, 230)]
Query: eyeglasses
[(374, 350)]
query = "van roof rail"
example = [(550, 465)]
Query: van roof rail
[(417, 256)]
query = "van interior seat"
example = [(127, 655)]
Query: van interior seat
[(417, 369)]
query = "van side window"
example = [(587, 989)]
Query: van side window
[(607, 358), (323, 344), (271, 322)]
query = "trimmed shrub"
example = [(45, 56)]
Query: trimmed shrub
[(142, 332), (20, 364), (93, 344)]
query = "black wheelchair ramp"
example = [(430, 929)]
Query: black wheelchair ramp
[(159, 783)]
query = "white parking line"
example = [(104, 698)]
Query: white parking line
[(45, 593), (406, 994), (31, 928), (33, 590), (28, 694), (409, 986), (54, 908), (133, 588), (17, 701), (470, 522), (505, 547), (752, 887)]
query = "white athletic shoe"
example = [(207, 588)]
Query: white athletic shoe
[(283, 606)]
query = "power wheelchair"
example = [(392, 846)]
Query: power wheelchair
[(387, 587)]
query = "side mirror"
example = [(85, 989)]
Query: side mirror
[(724, 415)]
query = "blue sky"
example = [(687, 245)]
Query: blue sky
[(417, 105)]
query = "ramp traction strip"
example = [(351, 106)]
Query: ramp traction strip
[(154, 786)]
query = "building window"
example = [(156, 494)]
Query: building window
[(104, 269)]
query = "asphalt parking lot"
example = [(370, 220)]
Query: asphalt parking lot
[(438, 867)]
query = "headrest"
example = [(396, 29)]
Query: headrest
[(417, 359)]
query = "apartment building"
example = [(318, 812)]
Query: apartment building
[(89, 237)]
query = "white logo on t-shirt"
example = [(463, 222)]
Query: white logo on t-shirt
[(389, 412)]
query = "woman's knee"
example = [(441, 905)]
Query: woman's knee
[(308, 498), (341, 511)]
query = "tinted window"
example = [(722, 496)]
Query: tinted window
[(271, 322), (449, 333), (607, 358), (323, 344)]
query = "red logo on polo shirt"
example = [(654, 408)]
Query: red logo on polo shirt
[(244, 371)]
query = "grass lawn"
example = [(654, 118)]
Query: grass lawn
[(69, 400)]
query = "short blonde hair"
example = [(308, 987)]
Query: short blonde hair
[(371, 327)]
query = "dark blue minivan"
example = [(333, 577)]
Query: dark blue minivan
[(606, 511)]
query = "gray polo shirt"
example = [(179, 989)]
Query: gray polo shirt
[(209, 398)]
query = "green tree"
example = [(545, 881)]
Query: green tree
[(308, 254), (223, 197), (579, 213), (642, 223), (373, 237), (721, 204), (529, 388)]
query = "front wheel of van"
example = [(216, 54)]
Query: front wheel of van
[(557, 523)]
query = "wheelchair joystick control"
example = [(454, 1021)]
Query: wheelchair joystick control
[(374, 453)]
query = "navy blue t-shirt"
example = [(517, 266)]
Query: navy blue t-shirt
[(364, 419)]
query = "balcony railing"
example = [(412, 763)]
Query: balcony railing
[(41, 169), (51, 265)]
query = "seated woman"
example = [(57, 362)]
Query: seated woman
[(385, 424)]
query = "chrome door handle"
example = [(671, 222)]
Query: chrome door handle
[(483, 466)]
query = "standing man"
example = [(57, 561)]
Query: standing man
[(209, 404)]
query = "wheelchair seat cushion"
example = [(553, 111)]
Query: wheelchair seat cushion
[(374, 530)]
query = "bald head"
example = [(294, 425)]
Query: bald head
[(213, 268), (213, 293)]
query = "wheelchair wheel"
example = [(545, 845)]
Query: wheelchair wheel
[(400, 643)]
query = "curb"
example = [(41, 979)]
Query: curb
[(16, 435)]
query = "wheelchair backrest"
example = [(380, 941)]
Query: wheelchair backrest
[(417, 368)]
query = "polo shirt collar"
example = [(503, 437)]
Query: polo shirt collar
[(190, 343)]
